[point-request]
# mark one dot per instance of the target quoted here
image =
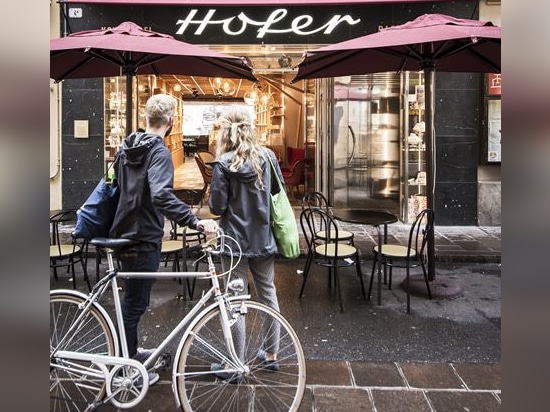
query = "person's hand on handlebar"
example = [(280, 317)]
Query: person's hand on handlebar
[(207, 225)]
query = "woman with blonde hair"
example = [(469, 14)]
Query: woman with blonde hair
[(240, 194)]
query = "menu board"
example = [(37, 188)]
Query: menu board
[(494, 130)]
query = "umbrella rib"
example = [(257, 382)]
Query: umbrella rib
[(232, 69), (496, 68), (460, 46), (320, 67), (103, 56), (76, 67)]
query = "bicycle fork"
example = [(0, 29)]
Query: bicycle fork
[(229, 318)]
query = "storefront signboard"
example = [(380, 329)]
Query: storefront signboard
[(282, 22)]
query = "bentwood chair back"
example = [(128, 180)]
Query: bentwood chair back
[(65, 250), (295, 177), (317, 199), (328, 252), (201, 158), (194, 200), (410, 256)]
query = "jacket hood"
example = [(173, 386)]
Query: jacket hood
[(137, 145), (246, 173)]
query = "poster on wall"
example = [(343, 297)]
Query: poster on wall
[(494, 131)]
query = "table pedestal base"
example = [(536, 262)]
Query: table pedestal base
[(442, 287)]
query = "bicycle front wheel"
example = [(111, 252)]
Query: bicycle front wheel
[(75, 385), (202, 385)]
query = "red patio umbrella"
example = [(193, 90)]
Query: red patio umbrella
[(431, 40), (128, 50)]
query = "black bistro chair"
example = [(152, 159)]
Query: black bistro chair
[(182, 237), (194, 200), (410, 256), (66, 251), (327, 252), (317, 199)]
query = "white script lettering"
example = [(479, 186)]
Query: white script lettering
[(274, 24)]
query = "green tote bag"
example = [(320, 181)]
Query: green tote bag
[(283, 221)]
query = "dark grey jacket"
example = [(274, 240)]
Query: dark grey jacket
[(243, 206), (145, 175)]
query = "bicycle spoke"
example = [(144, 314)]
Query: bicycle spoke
[(258, 389)]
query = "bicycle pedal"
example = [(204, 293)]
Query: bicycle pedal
[(164, 361)]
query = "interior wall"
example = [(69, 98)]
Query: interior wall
[(294, 114)]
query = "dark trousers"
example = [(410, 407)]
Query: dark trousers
[(136, 292)]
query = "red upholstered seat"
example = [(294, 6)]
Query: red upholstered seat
[(295, 177), (293, 154)]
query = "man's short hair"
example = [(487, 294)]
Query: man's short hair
[(159, 109)]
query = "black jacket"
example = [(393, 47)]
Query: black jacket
[(244, 207), (145, 175)]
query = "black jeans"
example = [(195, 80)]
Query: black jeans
[(136, 292)]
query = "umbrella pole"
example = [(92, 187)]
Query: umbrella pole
[(430, 160), (129, 90)]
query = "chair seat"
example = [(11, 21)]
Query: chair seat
[(342, 235), (330, 250), (188, 231), (169, 246), (60, 251), (396, 251)]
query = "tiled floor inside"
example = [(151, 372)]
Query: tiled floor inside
[(188, 176)]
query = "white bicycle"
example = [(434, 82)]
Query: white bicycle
[(222, 329)]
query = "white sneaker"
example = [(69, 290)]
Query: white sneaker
[(143, 354), (153, 378)]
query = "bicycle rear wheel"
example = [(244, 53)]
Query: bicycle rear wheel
[(74, 385), (198, 388)]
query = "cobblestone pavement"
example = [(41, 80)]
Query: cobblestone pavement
[(445, 356)]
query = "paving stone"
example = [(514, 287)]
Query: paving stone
[(376, 374), (342, 400), (430, 375), (307, 404), (479, 376), (400, 401), (327, 373), (448, 401)]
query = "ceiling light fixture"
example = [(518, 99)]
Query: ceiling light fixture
[(222, 87)]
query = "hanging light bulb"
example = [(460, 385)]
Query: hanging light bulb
[(228, 87), (216, 83), (222, 87), (252, 95), (266, 99)]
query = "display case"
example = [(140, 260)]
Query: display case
[(413, 147), (270, 118), (115, 115)]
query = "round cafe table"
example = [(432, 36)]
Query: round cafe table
[(370, 217)]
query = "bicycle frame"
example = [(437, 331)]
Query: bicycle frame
[(110, 281), (224, 339)]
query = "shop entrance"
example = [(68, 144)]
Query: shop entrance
[(279, 107), (285, 114)]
